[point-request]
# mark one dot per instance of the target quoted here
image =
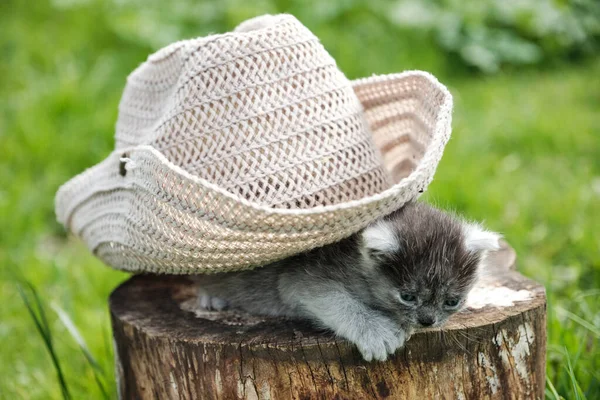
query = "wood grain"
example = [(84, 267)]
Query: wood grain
[(493, 349)]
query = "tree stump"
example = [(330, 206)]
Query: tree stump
[(495, 348)]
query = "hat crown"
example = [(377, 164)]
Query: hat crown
[(262, 112)]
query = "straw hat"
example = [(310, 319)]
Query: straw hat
[(236, 150)]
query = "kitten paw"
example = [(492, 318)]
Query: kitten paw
[(380, 340), (208, 302)]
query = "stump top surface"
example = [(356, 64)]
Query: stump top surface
[(161, 305)]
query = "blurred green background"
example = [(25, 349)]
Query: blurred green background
[(524, 155)]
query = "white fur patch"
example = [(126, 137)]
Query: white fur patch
[(478, 239), (381, 237)]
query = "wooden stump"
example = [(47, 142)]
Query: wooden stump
[(493, 349)]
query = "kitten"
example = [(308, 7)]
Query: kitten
[(413, 268)]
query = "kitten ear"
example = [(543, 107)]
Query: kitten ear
[(478, 239), (380, 238)]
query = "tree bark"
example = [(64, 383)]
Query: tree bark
[(165, 349)]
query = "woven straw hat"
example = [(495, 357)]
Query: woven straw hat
[(239, 149)]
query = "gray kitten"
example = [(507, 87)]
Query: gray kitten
[(413, 268)]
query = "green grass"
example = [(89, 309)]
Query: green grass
[(524, 157)]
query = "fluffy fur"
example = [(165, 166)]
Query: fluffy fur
[(413, 268)]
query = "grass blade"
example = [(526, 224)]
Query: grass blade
[(576, 318), (552, 389), (108, 349), (36, 311), (97, 370), (576, 389)]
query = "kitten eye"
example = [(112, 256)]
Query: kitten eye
[(452, 303), (408, 298)]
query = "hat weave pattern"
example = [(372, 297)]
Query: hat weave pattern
[(267, 116), (236, 150)]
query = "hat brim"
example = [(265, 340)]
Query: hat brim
[(159, 218)]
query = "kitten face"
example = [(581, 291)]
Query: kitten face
[(425, 293), (422, 263)]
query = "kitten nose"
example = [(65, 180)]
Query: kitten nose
[(426, 321)]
